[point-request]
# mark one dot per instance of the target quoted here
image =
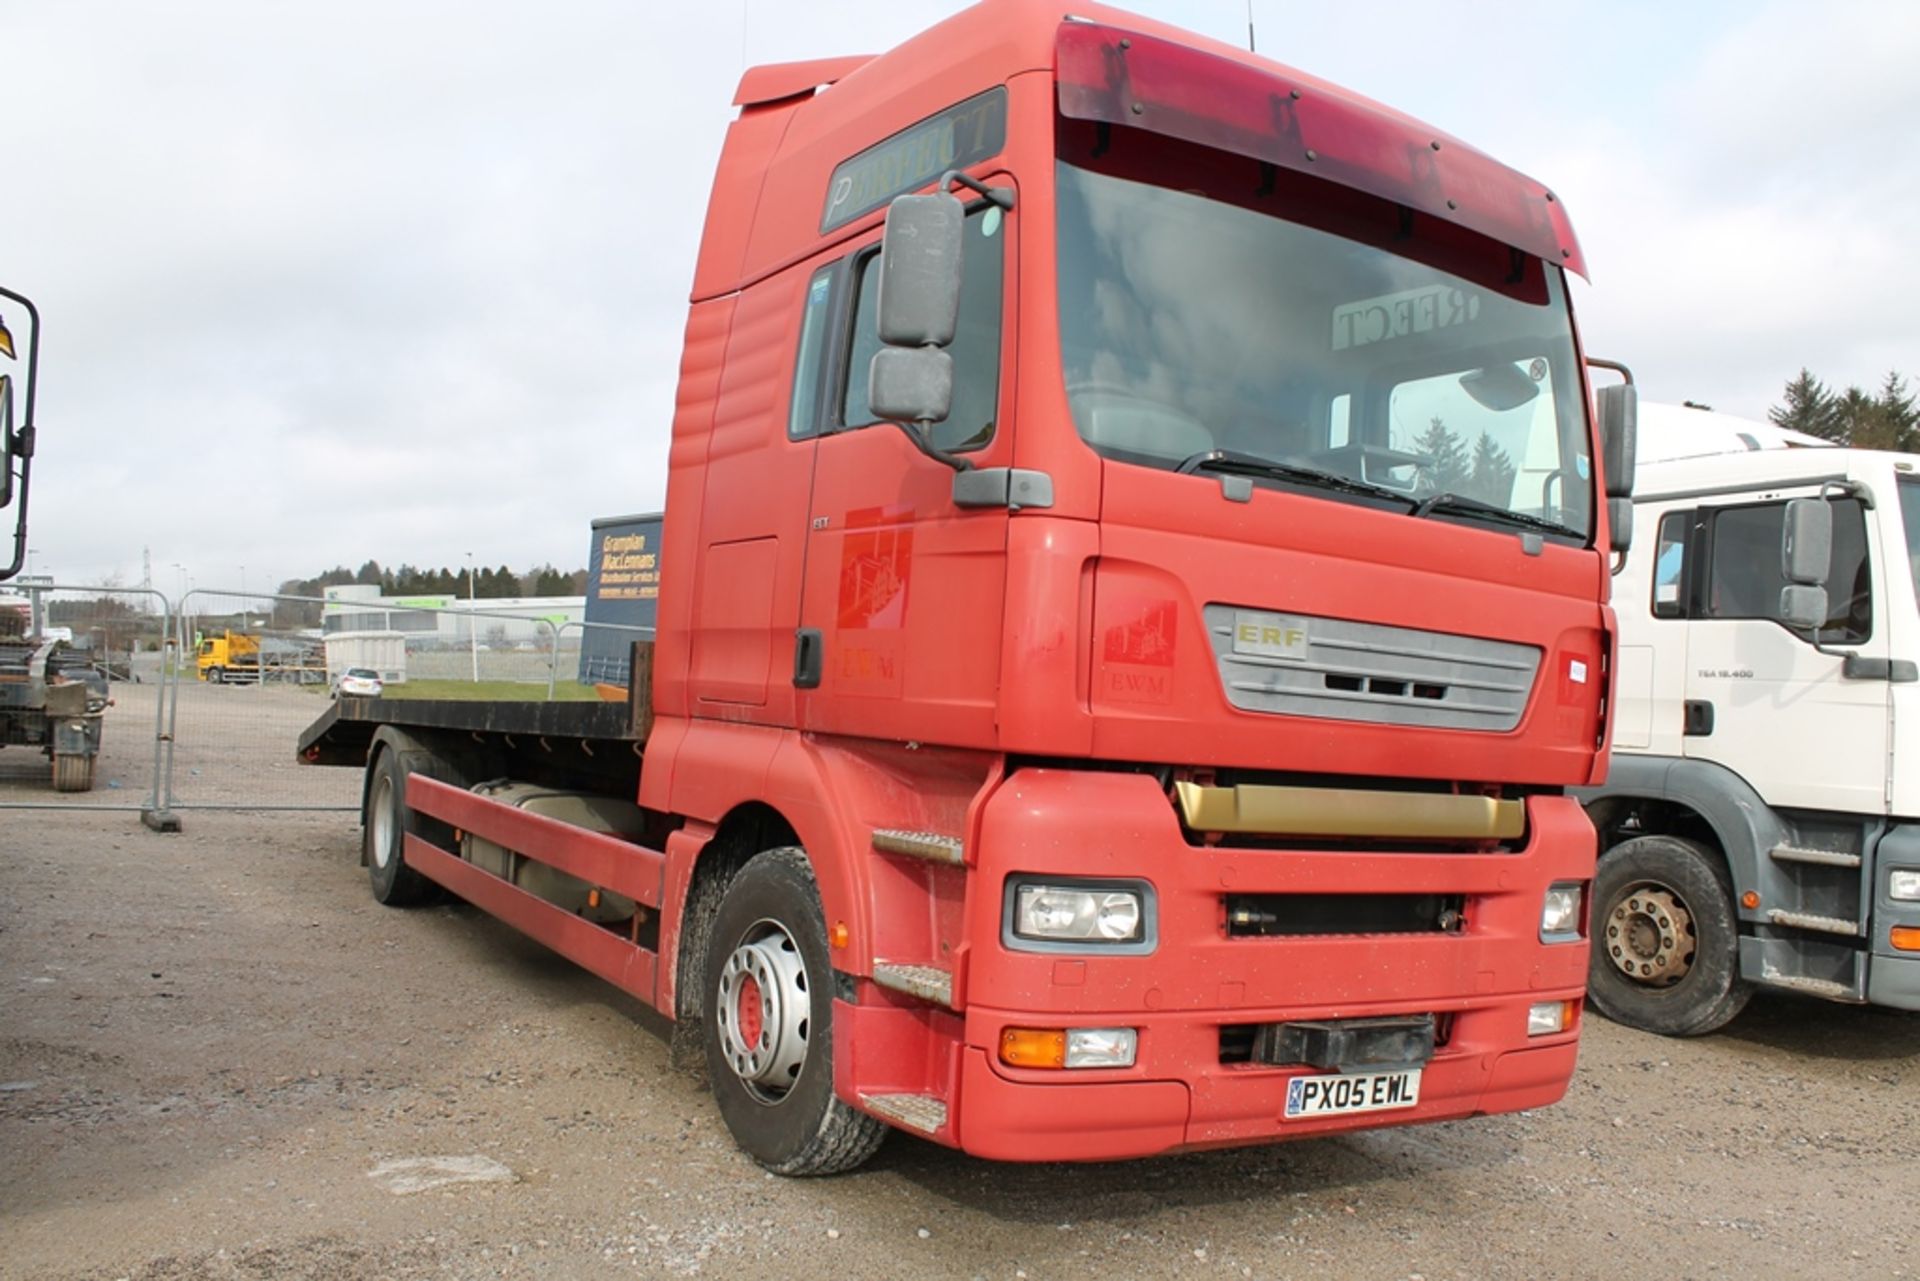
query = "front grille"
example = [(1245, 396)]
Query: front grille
[(1338, 669)]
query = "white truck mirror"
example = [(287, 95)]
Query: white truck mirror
[(1806, 548), (1806, 542)]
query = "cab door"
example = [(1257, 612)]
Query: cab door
[(1762, 701), (903, 588), (1649, 598)]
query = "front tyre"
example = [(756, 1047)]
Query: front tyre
[(1666, 944), (768, 1024)]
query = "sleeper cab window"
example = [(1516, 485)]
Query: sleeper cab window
[(976, 341)]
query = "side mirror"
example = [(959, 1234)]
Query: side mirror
[(16, 437), (911, 378), (1806, 542), (1802, 606), (6, 437), (1806, 549), (1620, 524), (910, 384), (1619, 431), (920, 270)]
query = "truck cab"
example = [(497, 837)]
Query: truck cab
[(1758, 821), (1250, 588)]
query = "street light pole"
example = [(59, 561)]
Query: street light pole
[(473, 639)]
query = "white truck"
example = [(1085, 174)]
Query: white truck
[(1761, 821)]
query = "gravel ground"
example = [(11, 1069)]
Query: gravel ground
[(212, 1042)]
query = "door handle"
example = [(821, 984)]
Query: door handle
[(808, 647), (1699, 718)]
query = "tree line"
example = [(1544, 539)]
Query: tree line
[(409, 580), (1887, 419), (1485, 472)]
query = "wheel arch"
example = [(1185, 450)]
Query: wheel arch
[(451, 765), (1698, 800), (826, 795)]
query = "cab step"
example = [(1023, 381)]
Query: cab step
[(1826, 858), (928, 982), (1808, 921), (931, 846), (920, 1112)]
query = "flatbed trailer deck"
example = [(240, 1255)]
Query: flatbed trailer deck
[(344, 732)]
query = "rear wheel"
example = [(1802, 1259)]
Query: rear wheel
[(769, 1024), (73, 773), (1666, 944), (388, 821)]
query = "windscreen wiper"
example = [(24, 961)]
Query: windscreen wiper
[(1233, 462), (1460, 504)]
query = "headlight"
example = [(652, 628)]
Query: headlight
[(1561, 913), (1903, 885), (1076, 914)]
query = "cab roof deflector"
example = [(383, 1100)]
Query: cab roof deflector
[(779, 80)]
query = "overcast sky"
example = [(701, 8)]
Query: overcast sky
[(406, 280)]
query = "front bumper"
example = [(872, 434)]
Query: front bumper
[(1893, 974), (1181, 1093)]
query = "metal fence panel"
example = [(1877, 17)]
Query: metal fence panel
[(209, 699), (114, 635), (251, 675)]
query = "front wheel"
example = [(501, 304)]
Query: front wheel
[(1666, 944), (769, 1024), (215, 675)]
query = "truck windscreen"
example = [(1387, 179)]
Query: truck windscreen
[(1210, 303)]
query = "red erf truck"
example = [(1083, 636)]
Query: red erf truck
[(1121, 650)]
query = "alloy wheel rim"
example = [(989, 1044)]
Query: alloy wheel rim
[(765, 1010)]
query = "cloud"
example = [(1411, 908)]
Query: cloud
[(1759, 228)]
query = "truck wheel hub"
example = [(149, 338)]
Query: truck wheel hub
[(764, 1011), (1650, 936)]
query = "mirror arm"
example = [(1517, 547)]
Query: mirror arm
[(922, 442), (1855, 489), (1626, 375), (1002, 196)]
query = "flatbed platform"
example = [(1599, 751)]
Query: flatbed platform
[(344, 731)]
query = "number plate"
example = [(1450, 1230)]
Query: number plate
[(1341, 1093)]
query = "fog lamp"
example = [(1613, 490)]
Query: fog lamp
[(1903, 884), (1548, 1017), (1079, 1047)]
